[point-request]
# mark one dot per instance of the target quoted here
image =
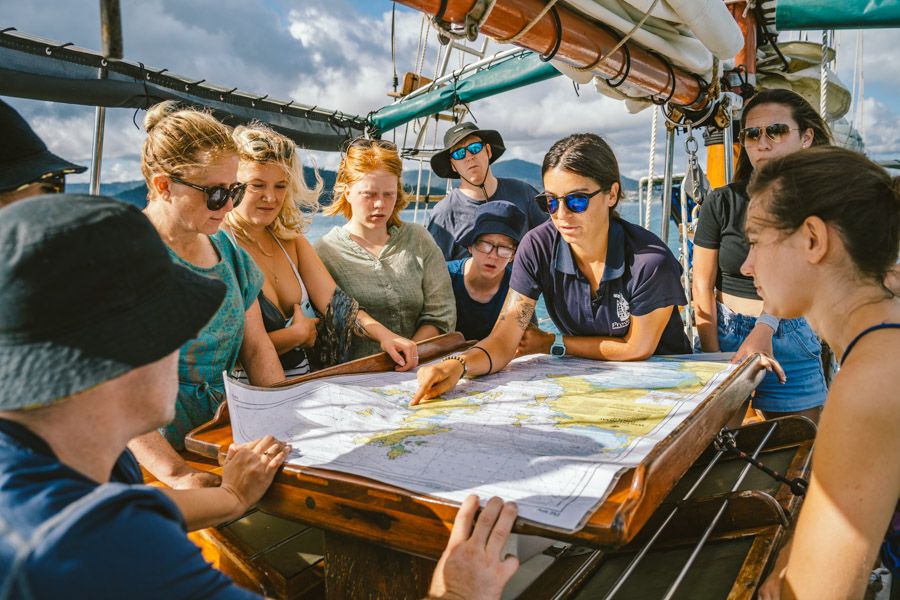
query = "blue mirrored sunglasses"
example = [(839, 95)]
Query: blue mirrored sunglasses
[(576, 202), (473, 148)]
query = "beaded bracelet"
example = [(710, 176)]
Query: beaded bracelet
[(461, 360)]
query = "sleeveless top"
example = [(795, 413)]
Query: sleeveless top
[(863, 333), (294, 361), (890, 550)]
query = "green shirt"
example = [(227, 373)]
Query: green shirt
[(216, 347), (404, 287)]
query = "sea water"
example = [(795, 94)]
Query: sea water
[(630, 211)]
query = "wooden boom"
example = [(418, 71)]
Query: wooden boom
[(572, 38)]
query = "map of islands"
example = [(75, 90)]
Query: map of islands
[(552, 434)]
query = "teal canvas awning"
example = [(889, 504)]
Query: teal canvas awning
[(509, 74), (836, 14)]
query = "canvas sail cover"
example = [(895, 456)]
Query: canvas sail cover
[(836, 14), (523, 69)]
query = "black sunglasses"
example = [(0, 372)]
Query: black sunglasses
[(217, 196), (576, 202), (362, 142), (775, 132)]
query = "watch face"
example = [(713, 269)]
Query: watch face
[(557, 350)]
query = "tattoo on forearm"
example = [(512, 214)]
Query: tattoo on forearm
[(520, 307)]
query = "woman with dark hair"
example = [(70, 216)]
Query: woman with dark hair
[(731, 317), (823, 227), (611, 287)]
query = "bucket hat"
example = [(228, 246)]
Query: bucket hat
[(440, 162), (87, 293), (496, 216), (24, 157)]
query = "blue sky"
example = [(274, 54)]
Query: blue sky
[(336, 54)]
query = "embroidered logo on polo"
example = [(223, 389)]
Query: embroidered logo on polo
[(622, 312)]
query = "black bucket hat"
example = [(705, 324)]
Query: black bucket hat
[(440, 162), (24, 157), (88, 292)]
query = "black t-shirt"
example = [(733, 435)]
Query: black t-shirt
[(721, 228)]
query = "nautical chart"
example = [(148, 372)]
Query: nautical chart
[(551, 434)]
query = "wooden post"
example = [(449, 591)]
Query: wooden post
[(355, 569)]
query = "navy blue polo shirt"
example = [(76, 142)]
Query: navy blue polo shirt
[(641, 275), (128, 542)]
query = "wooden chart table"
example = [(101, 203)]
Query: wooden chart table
[(381, 541)]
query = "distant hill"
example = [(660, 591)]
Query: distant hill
[(135, 192)]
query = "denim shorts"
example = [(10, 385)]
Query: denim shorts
[(797, 350)]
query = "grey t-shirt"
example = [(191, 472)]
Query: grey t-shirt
[(455, 214)]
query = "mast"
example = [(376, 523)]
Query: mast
[(717, 163), (111, 37)]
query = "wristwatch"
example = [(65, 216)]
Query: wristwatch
[(559, 347)]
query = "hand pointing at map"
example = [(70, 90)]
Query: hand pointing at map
[(434, 380)]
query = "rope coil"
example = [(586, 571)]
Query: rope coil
[(522, 32)]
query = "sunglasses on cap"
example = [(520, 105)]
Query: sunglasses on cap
[(362, 142), (486, 247), (576, 202), (775, 132), (473, 149), (217, 196)]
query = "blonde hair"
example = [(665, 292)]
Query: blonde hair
[(361, 160), (259, 143), (179, 139)]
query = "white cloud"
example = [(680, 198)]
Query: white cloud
[(337, 54), (881, 130)]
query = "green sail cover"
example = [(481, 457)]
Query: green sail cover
[(501, 77), (836, 14)]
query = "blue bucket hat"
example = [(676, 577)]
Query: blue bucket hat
[(88, 293), (496, 216)]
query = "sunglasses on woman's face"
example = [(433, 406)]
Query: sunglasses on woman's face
[(473, 149), (576, 202), (775, 132), (217, 196)]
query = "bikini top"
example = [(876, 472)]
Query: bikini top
[(865, 332), (305, 304)]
